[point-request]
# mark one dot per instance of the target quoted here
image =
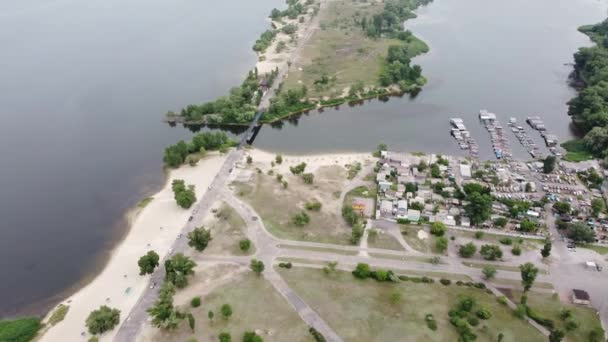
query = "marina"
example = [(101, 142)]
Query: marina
[(523, 138), (463, 137), (500, 143), (550, 139)]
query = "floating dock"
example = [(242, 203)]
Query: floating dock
[(524, 139), (463, 137), (500, 143)]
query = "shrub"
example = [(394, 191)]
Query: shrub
[(473, 321), (502, 300), (520, 311), (19, 330), (300, 219), (468, 250), (506, 241), (102, 320), (571, 325), (516, 250), (286, 265), (459, 283), (362, 271), (313, 206), (539, 319), (491, 252), (430, 322), (308, 178), (196, 302), (438, 229), (483, 313), (445, 282), (478, 235), (480, 285), (244, 245), (316, 335), (466, 304)]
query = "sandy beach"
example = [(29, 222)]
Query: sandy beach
[(119, 285), (313, 161)]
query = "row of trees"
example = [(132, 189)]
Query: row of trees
[(294, 9), (389, 23), (589, 109), (287, 102), (397, 69), (175, 155)]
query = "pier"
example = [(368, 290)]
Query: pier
[(463, 137)]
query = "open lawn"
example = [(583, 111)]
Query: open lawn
[(598, 249), (278, 205), (249, 296), (365, 310), (576, 151), (227, 228), (410, 235), (383, 240), (526, 244), (549, 306), (341, 50)]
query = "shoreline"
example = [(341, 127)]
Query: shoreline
[(89, 293)]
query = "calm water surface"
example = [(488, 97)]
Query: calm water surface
[(83, 87), (84, 84), (509, 57)]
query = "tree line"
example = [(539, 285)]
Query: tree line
[(389, 23), (589, 109), (175, 155)]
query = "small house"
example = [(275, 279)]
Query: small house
[(402, 209), (386, 207)]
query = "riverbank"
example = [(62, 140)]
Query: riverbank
[(119, 284)]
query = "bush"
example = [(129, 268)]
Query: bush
[(308, 178), (316, 335), (483, 313), (313, 206), (516, 250), (430, 322), (502, 300), (468, 250), (438, 229), (506, 241), (473, 321), (520, 311), (196, 302), (480, 285), (19, 330), (300, 219), (445, 282), (571, 325), (286, 265), (459, 283), (478, 235), (539, 319), (244, 245), (102, 320), (491, 252), (362, 271)]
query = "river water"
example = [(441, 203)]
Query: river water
[(84, 85)]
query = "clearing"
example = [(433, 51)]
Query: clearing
[(227, 228), (362, 310)]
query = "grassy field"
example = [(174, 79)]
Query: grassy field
[(340, 50), (383, 240), (550, 307), (319, 249), (576, 151), (227, 229), (248, 295), (526, 243), (599, 249), (362, 310), (277, 205), (410, 235)]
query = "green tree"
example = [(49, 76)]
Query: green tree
[(308, 178), (301, 219), (195, 302), (251, 336), (163, 313), (500, 222), (102, 320), (468, 250), (489, 271), (249, 160), (546, 251), (148, 262), (597, 206), (580, 232), (226, 311), (562, 207), (441, 244), (556, 335), (199, 238), (257, 266), (178, 268), (278, 159), (491, 252), (191, 321), (528, 275), (362, 271), (438, 228), (244, 245), (225, 337), (479, 207), (549, 164)]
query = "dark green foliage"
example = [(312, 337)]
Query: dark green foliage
[(184, 196), (506, 241), (195, 302), (490, 252), (431, 323), (102, 320), (257, 266), (556, 335), (441, 244), (19, 330), (226, 311), (251, 336), (148, 262), (562, 207), (225, 337), (163, 313), (468, 250), (516, 250), (397, 69), (445, 282), (438, 229), (580, 232), (483, 313), (175, 155), (350, 215), (301, 219), (191, 321), (308, 178), (298, 169), (286, 265), (316, 335), (362, 271), (546, 251), (313, 206), (178, 268), (244, 245), (528, 226), (528, 275), (264, 41), (199, 238), (549, 164)]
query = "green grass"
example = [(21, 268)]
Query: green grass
[(227, 229), (384, 241), (514, 282), (144, 202), (276, 205), (59, 314), (256, 305), (340, 49), (498, 267), (576, 151), (320, 249), (599, 249), (528, 243), (19, 330), (410, 235), (362, 310), (549, 306)]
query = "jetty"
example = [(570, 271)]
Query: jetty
[(550, 139), (500, 143), (463, 137), (524, 139)]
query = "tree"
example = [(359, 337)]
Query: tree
[(528, 275), (489, 271), (195, 302), (251, 336), (562, 207), (225, 337), (468, 250), (199, 238), (438, 228), (549, 164), (184, 196), (479, 208), (191, 321), (148, 262), (102, 320), (556, 335), (257, 266), (244, 245), (441, 244), (226, 311), (298, 169), (249, 160), (178, 268), (546, 251), (362, 271), (210, 315), (278, 159), (580, 232), (597, 206), (528, 226), (301, 219), (491, 252), (163, 314), (308, 178), (500, 222)]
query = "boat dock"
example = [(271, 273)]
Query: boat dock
[(550, 139), (463, 137), (500, 143), (523, 138)]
